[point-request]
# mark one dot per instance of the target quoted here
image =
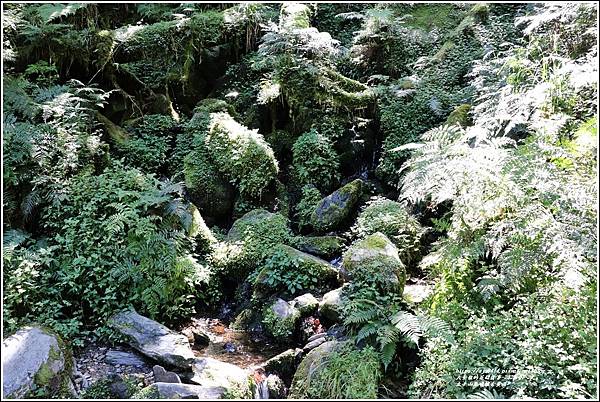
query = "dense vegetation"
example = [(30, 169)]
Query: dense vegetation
[(175, 157)]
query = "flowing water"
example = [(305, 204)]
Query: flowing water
[(262, 390)]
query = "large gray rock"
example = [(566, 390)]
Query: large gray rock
[(337, 207), (330, 306), (32, 358), (375, 257), (167, 390), (153, 339), (210, 372)]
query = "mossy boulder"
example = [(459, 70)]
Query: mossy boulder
[(207, 188), (280, 320), (375, 258), (338, 371), (262, 223), (393, 220), (333, 210), (241, 155), (321, 246), (33, 359), (250, 241), (294, 16), (311, 362), (330, 307), (307, 304), (284, 364), (315, 161), (288, 264)]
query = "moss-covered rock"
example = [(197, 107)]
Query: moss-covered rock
[(338, 371), (393, 220), (291, 271), (307, 304), (34, 360), (295, 16), (321, 246), (315, 161), (241, 155), (375, 257), (336, 208), (284, 364), (280, 320), (331, 305), (250, 241), (207, 188), (309, 365)]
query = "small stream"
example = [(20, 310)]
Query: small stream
[(242, 348)]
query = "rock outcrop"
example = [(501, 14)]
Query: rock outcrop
[(153, 339), (33, 358)]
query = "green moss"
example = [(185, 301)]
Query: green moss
[(392, 219), (47, 382), (315, 161), (199, 231), (250, 241), (281, 329), (245, 319), (322, 246), (241, 155), (295, 16), (460, 116), (207, 187), (334, 209), (374, 259)]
